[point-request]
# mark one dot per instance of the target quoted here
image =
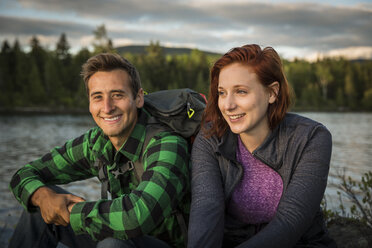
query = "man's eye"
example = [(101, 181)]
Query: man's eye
[(117, 96)]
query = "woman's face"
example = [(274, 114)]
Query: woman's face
[(243, 100)]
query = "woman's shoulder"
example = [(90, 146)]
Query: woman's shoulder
[(204, 135), (295, 123), (294, 120)]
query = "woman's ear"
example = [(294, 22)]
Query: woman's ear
[(273, 91)]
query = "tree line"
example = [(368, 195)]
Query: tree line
[(44, 78)]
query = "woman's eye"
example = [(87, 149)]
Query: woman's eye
[(241, 91), (220, 93)]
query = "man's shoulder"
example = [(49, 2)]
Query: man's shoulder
[(94, 133), (92, 137), (161, 135), (161, 131)]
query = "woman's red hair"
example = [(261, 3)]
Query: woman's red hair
[(268, 67)]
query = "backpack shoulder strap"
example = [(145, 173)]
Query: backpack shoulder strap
[(152, 129)]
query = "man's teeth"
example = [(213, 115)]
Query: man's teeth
[(234, 117), (112, 119)]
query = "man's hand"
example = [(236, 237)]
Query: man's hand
[(55, 208)]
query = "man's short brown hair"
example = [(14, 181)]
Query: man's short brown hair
[(109, 62)]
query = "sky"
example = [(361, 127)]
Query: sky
[(295, 28)]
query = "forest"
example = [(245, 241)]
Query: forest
[(49, 79)]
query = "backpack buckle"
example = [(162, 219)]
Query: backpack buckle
[(190, 111), (130, 165)]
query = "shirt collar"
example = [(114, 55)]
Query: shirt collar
[(132, 147)]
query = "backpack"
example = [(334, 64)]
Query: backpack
[(179, 111)]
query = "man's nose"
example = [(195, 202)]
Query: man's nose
[(108, 105)]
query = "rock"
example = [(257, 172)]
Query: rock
[(8, 220), (350, 233)]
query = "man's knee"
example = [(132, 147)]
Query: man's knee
[(139, 242), (115, 243)]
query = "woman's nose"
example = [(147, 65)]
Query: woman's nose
[(229, 103)]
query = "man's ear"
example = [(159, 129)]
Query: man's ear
[(140, 100), (273, 91)]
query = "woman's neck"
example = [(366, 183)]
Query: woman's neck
[(254, 139)]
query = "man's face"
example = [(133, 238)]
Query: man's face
[(112, 104)]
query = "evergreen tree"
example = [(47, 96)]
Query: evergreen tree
[(154, 71), (55, 78), (200, 80), (350, 92), (311, 98), (52, 78), (80, 98), (324, 76), (102, 43), (21, 72), (38, 56), (5, 48), (340, 98), (5, 74), (299, 76), (65, 71), (367, 100), (34, 91), (62, 49)]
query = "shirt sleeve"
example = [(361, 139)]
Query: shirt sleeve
[(301, 200), (163, 184), (207, 211), (60, 166)]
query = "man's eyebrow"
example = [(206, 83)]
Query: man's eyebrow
[(95, 93), (117, 91)]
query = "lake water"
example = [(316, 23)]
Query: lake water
[(351, 151), (25, 138)]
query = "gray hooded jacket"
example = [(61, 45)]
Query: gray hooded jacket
[(299, 149)]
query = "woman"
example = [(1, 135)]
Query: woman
[(258, 172)]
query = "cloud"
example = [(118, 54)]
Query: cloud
[(28, 26), (47, 31), (349, 52), (211, 25), (317, 25), (129, 10)]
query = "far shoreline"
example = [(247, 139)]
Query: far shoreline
[(24, 111), (43, 111)]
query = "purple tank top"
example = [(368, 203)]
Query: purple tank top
[(257, 195)]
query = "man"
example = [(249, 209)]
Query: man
[(141, 212)]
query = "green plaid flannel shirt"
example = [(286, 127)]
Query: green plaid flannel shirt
[(136, 208)]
